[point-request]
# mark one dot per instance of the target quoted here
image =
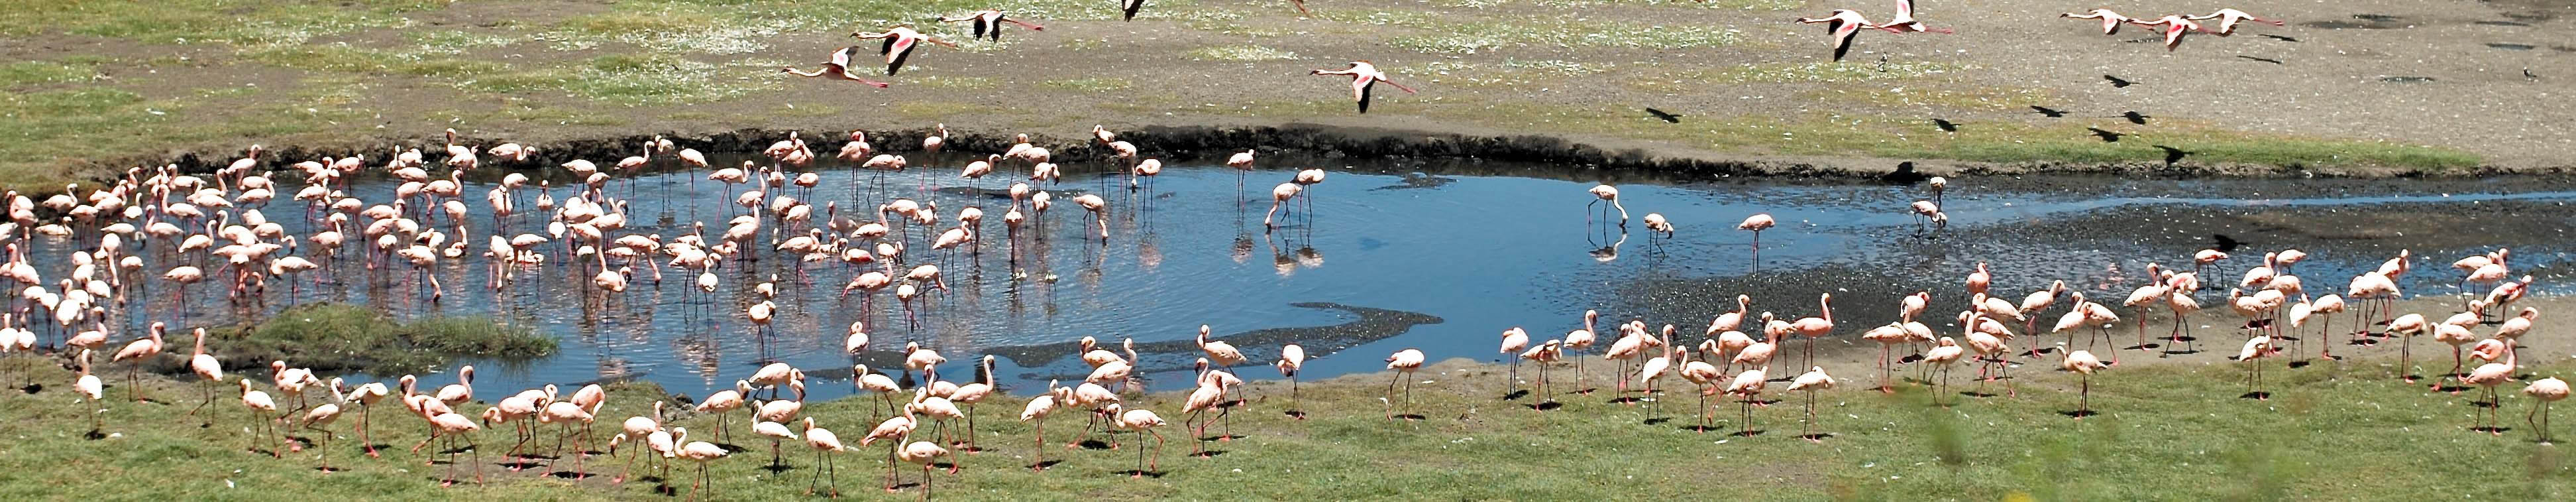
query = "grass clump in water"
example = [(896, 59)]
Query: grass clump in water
[(341, 337)]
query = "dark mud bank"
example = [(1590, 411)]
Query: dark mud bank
[(1431, 151)]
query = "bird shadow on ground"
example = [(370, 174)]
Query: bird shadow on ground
[(1208, 454), (2451, 388), (94, 435), (2185, 352), (1820, 436), (1910, 359), (456, 450), (2143, 347), (2256, 395), (32, 388), (521, 465), (2300, 364), (772, 468), (1224, 437), (2491, 429), (1546, 405), (1410, 416), (1516, 394), (1626, 400), (2078, 413), (1746, 433), (667, 490), (570, 474), (1141, 473), (326, 469), (1585, 391), (1658, 420), (2483, 404), (1093, 444), (732, 448), (1763, 402), (1294, 413), (1971, 393), (1040, 466), (952, 466), (1700, 428)]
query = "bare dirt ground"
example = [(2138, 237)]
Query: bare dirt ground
[(1748, 84)]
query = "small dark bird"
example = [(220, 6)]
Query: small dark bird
[(2117, 81), (2051, 113), (2107, 136), (2224, 244), (1664, 116), (1882, 63), (1945, 125), (2526, 73), (2135, 117), (2278, 37), (2266, 60), (2172, 154)]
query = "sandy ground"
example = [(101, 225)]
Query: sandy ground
[(2343, 76), (1853, 362)]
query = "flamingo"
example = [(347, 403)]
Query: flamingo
[(1813, 380), (1606, 193), (826, 446), (2111, 21), (1291, 359), (2489, 376), (1515, 341), (1904, 21), (2547, 390), (2083, 363), (1037, 410), (2175, 27), (2227, 19), (1756, 224), (2255, 349), (142, 351), (837, 67), (1404, 362), (1841, 24), (1749, 385), (699, 451), (1363, 76), (988, 23), (1945, 354), (1142, 421), (1279, 196), (900, 40)]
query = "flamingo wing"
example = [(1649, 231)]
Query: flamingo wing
[(1130, 7), (1842, 31), (1905, 9), (2173, 34), (985, 23), (841, 58), (903, 47), (2111, 23), (1360, 86)]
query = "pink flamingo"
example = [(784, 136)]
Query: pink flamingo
[(2111, 21), (988, 23), (2227, 19), (1841, 24), (899, 43), (2175, 27), (1363, 76)]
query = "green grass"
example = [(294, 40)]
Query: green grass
[(1243, 52), (235, 22), (2173, 432), (1089, 84), (336, 336), (25, 73)]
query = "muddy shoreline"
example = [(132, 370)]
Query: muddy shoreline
[(1433, 151)]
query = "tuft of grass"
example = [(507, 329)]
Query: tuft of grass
[(1095, 84), (1824, 72), (25, 73), (1559, 66), (345, 58), (1243, 52), (340, 337)]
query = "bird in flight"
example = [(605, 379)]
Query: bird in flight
[(1363, 76), (836, 68), (1904, 21), (2175, 26), (1841, 24), (899, 43), (988, 23), (2111, 21)]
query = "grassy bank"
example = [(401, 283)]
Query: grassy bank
[(109, 83), (2169, 432), (334, 337)]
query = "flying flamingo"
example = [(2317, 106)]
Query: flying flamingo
[(1840, 24), (900, 40), (2111, 21), (1404, 362), (1904, 21), (1363, 76), (988, 23), (838, 67), (2227, 19), (2175, 27)]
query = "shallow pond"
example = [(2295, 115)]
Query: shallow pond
[(1386, 259)]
